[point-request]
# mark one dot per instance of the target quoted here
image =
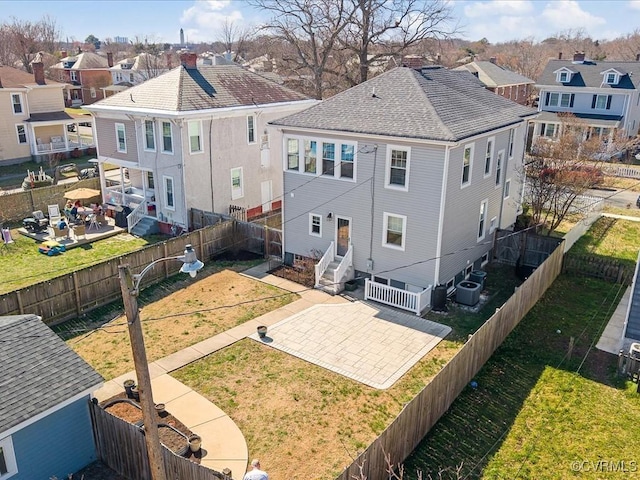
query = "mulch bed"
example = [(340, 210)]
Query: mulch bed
[(174, 441)]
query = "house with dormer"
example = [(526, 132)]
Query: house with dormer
[(402, 180), (603, 95), (135, 70), (86, 73)]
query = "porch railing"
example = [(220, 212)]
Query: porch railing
[(136, 215), (345, 263), (324, 262), (52, 147), (415, 302)]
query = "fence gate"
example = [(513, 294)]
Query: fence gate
[(530, 248)]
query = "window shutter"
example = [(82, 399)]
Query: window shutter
[(609, 102), (593, 101), (546, 99), (573, 96)]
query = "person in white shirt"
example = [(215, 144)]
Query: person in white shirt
[(255, 473)]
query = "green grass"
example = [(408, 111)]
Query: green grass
[(22, 265), (20, 169), (77, 111), (535, 411)]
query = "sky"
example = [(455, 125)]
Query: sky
[(161, 20)]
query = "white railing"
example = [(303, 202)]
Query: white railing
[(324, 262), (136, 215), (345, 263), (51, 147), (625, 172), (395, 297)]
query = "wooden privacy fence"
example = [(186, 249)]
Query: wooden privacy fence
[(16, 206), (530, 248), (416, 419), (122, 447), (597, 267), (70, 295)]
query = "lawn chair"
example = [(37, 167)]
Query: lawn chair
[(79, 231), (39, 217), (59, 232), (54, 214)]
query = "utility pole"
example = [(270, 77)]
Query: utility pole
[(152, 438)]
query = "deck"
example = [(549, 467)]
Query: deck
[(109, 229)]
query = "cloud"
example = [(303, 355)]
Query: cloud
[(567, 14), (479, 10), (634, 4), (204, 19)]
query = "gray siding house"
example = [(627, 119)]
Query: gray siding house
[(194, 137), (45, 426), (604, 95), (402, 180)]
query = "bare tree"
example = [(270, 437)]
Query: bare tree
[(28, 38), (234, 38)]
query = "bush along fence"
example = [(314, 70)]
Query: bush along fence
[(71, 295), (416, 419), (16, 206)]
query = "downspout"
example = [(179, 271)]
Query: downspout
[(443, 196), (373, 189), (211, 164)]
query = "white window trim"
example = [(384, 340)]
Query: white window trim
[(337, 171), (311, 232), (616, 78), (598, 96), (484, 259), (26, 137), (249, 142), (354, 164), (560, 74), (144, 135), (73, 75), (491, 140), (493, 224), (9, 457), (387, 175), (199, 123), (168, 152), (498, 178), (92, 92), (173, 189), (124, 136), (21, 98), (507, 188), (237, 192), (286, 154), (385, 225), (512, 138), (482, 218), (471, 147)]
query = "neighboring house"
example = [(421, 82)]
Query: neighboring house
[(86, 73), (604, 95), (402, 179), (45, 389), (506, 83), (194, 137), (133, 71), (32, 117)]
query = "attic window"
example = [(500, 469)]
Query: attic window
[(611, 78), (563, 77)]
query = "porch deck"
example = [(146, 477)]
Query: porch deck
[(109, 229)]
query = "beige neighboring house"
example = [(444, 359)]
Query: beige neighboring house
[(194, 137), (133, 71), (33, 123)]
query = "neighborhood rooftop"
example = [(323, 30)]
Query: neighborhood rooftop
[(589, 74), (206, 87), (433, 103), (39, 371), (493, 75)]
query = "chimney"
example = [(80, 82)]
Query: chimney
[(559, 55), (637, 57), (169, 64), (267, 65), (438, 58), (63, 54), (578, 57), (188, 60), (493, 60), (38, 72), (0, 83), (110, 59)]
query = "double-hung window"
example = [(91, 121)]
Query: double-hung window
[(512, 134), (601, 102), (499, 166), (397, 168), (167, 138), (236, 183), (394, 231), (293, 154), (251, 129), (195, 136), (467, 157), (310, 156), (487, 157), (16, 101), (8, 464), (121, 138), (507, 188), (73, 75), (169, 199), (347, 155), (315, 225), (149, 135), (549, 130), (482, 219), (328, 158), (22, 134)]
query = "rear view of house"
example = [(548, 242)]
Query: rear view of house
[(45, 427), (402, 180)]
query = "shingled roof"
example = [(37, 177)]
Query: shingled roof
[(11, 77), (432, 103), (84, 61), (207, 87), (39, 371), (589, 74), (492, 75)]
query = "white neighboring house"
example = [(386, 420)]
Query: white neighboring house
[(194, 137), (133, 71), (402, 179)]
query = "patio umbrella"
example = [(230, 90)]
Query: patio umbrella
[(82, 194)]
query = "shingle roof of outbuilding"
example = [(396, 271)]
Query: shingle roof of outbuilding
[(39, 371), (432, 103)]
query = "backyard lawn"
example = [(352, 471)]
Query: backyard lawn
[(22, 265)]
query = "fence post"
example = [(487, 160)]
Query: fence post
[(19, 299), (76, 290), (620, 361), (266, 241)]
